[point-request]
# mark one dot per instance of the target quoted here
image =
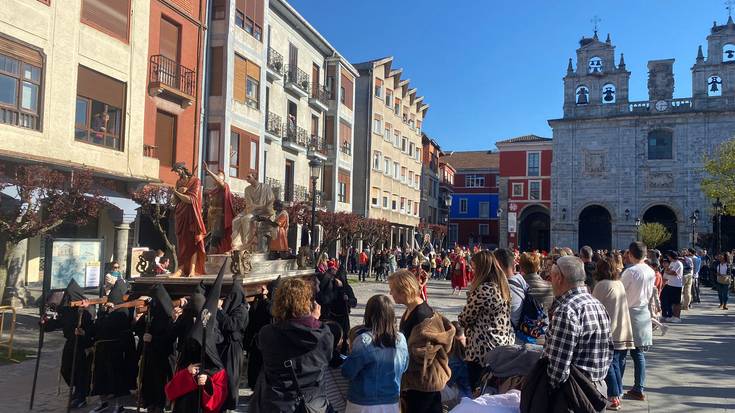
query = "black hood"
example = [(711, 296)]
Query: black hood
[(161, 305), (197, 299), (117, 294), (236, 297), (73, 292), (195, 339)]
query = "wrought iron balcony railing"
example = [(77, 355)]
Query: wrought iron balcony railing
[(298, 77), (296, 134), (275, 61), (274, 124), (170, 73), (320, 93), (318, 144), (346, 148)]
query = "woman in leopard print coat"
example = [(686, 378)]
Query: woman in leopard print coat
[(486, 317)]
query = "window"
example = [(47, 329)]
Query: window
[(169, 38), (379, 88), (213, 145), (397, 107), (410, 178), (342, 194), (483, 229), (249, 17), (99, 109), (396, 138), (375, 196), (474, 181), (347, 89), (20, 85), (342, 94), (385, 199), (518, 189), (396, 170), (376, 160), (218, 10), (216, 71), (387, 163), (534, 190), (378, 125), (608, 93), (416, 208), (404, 144), (484, 209), (411, 147), (247, 82), (387, 132), (165, 138), (253, 155), (403, 174), (234, 154), (533, 162), (388, 97), (394, 203), (109, 16), (408, 206), (582, 95), (463, 205), (714, 86), (660, 144), (403, 204)]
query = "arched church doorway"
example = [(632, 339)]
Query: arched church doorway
[(595, 228), (534, 229), (666, 217)]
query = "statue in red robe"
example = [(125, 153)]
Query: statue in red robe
[(190, 230), (219, 215)]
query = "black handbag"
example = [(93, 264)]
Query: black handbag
[(302, 406)]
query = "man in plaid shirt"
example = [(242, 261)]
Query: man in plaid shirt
[(579, 333)]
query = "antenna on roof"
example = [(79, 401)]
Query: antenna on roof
[(596, 22)]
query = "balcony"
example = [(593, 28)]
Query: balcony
[(15, 117), (318, 147), (296, 138), (346, 148), (275, 65), (172, 81), (150, 151), (273, 127), (319, 98), (297, 81)]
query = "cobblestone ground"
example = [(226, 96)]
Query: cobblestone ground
[(689, 369)]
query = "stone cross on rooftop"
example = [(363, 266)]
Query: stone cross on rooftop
[(596, 20)]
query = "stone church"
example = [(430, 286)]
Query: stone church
[(619, 162)]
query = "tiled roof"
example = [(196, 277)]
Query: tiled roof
[(472, 160), (526, 138)]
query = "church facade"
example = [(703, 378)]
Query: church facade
[(618, 162)]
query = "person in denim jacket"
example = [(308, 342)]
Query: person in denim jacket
[(378, 359)]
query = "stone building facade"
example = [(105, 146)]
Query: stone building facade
[(618, 160)]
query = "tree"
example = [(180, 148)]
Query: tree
[(155, 203), (45, 199), (653, 234), (337, 226), (374, 232), (719, 180)]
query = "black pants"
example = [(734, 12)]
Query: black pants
[(423, 402), (474, 371), (695, 290), (669, 297)]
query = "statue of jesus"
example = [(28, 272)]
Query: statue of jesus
[(259, 200), (190, 230)]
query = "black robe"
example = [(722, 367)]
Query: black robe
[(157, 362), (259, 316), (232, 321)]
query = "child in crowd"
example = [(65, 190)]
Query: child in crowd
[(458, 385)]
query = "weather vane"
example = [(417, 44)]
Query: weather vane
[(596, 19), (728, 6)]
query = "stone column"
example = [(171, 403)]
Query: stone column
[(122, 232)]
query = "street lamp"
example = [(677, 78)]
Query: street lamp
[(315, 167), (717, 206), (563, 214), (637, 228), (627, 214), (693, 220)]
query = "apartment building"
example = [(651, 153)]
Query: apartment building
[(446, 189), (388, 119), (431, 151), (473, 218), (525, 192), (74, 79), (172, 107)]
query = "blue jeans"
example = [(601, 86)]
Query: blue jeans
[(614, 379), (723, 293), (639, 366)]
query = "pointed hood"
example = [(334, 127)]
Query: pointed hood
[(117, 294), (236, 297), (197, 300), (196, 335), (73, 292), (161, 305)]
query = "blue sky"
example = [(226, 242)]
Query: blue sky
[(491, 69)]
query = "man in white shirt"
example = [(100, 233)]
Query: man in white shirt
[(671, 294), (639, 282)]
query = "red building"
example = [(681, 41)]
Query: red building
[(175, 47), (525, 192)]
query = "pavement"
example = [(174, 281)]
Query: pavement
[(690, 369)]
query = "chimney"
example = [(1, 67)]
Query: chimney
[(660, 79)]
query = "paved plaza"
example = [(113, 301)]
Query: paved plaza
[(689, 369)]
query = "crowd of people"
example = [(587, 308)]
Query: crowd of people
[(532, 323)]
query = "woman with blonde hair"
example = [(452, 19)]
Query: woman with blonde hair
[(429, 336), (486, 316), (322, 265)]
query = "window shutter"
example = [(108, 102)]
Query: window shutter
[(169, 39), (244, 160), (250, 8), (110, 15), (240, 74), (215, 79), (253, 70), (20, 52), (242, 5), (97, 86), (166, 138), (259, 13), (346, 83), (330, 130)]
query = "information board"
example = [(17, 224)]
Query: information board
[(75, 259)]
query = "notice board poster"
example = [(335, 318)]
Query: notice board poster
[(79, 260)]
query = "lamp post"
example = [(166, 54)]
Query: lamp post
[(717, 206), (693, 220), (315, 166), (448, 203), (637, 228)]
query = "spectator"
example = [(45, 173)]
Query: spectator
[(579, 334), (363, 261), (585, 254), (671, 294), (611, 293), (686, 285), (336, 385), (378, 359), (460, 380), (322, 264), (517, 284), (113, 275), (539, 288), (486, 317), (723, 279), (639, 282), (299, 337), (429, 337)]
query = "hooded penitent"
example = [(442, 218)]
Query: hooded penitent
[(233, 320), (182, 389), (156, 362)]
